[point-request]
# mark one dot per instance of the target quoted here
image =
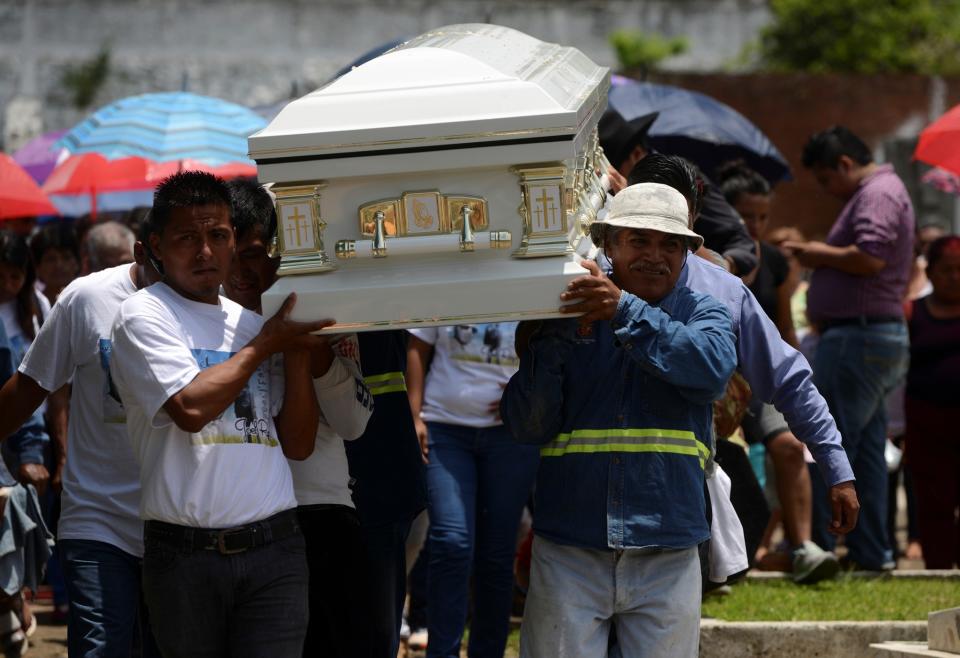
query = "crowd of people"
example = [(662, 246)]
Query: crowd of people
[(224, 483)]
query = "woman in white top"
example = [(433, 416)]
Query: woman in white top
[(478, 480)]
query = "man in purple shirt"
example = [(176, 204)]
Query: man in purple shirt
[(855, 301)]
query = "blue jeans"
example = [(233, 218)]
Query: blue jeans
[(855, 367), (478, 481), (204, 604), (107, 614), (577, 595)]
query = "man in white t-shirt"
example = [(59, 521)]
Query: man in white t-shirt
[(99, 534), (321, 483), (211, 417)]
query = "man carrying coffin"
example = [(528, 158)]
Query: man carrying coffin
[(620, 399)]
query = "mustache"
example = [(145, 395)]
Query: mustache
[(650, 267)]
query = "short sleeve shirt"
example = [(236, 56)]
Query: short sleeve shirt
[(471, 365), (232, 471)]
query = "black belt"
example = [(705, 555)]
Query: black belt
[(861, 320), (226, 541)]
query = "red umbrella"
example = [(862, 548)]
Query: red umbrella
[(160, 170), (19, 194), (939, 143), (91, 173), (88, 182)]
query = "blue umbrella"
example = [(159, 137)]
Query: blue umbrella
[(167, 126), (698, 127)]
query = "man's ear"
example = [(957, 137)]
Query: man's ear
[(845, 164)]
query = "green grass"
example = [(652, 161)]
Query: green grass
[(843, 599)]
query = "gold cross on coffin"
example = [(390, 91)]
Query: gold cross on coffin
[(545, 206), (298, 226)]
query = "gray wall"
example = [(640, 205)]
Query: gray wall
[(256, 52)]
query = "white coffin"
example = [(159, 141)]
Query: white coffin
[(373, 173)]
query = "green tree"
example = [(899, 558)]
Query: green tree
[(642, 52), (85, 78), (863, 36)]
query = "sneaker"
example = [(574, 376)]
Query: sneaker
[(848, 564), (811, 564), (418, 639)]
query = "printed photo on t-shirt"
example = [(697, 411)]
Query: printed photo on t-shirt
[(483, 343), (112, 409), (249, 418)]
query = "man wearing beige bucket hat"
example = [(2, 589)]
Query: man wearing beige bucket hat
[(620, 401)]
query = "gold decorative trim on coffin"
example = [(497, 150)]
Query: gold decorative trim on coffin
[(546, 200), (300, 230), (422, 213)]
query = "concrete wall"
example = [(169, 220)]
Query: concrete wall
[(255, 52)]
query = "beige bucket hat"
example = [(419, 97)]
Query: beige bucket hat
[(651, 206)]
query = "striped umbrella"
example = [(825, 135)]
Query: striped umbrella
[(167, 126)]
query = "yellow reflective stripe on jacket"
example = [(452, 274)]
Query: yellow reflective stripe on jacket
[(388, 382), (678, 442)]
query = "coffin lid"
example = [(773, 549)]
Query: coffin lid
[(455, 85)]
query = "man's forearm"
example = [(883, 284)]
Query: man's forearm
[(849, 259), (19, 398), (298, 418), (214, 389)]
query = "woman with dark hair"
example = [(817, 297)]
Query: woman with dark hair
[(21, 312), (56, 256), (932, 441)]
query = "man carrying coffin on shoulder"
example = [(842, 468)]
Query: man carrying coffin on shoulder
[(621, 401)]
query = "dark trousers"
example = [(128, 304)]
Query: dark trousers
[(336, 558), (933, 456), (203, 603), (386, 584)]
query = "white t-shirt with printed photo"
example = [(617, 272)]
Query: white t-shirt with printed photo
[(346, 404), (471, 365), (233, 471), (101, 480)]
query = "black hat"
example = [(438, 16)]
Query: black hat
[(618, 137)]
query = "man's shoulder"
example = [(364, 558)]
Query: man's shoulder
[(885, 184), (707, 278), (149, 301), (99, 286)]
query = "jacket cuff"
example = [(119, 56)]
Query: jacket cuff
[(835, 468)]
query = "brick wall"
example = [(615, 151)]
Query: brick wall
[(789, 107)]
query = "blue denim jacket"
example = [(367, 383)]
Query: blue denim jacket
[(624, 415)]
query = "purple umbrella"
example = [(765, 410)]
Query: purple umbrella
[(38, 157)]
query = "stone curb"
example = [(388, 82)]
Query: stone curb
[(803, 639)]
